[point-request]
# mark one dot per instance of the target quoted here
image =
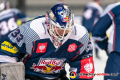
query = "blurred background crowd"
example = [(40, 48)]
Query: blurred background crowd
[(39, 7)]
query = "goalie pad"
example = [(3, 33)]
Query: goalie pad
[(12, 71)]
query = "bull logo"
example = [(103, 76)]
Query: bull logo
[(49, 66)]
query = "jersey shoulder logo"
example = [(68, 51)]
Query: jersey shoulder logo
[(7, 46), (72, 47), (41, 47), (87, 67)]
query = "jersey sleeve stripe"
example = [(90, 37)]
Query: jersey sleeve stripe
[(114, 30)]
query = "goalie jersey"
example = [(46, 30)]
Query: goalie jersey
[(33, 43), (111, 15)]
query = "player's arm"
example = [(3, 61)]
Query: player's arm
[(82, 63), (99, 31), (100, 28), (12, 45), (88, 18)]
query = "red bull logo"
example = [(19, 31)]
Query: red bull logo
[(54, 62), (48, 66), (66, 19)]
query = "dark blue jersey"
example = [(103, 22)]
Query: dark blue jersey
[(33, 41), (91, 14), (111, 15), (8, 20)]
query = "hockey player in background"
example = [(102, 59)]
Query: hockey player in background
[(91, 15), (9, 17), (47, 43), (111, 15)]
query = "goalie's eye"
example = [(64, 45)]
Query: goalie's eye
[(61, 13)]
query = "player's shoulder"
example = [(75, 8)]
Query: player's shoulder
[(4, 12), (94, 5), (38, 25), (115, 7), (37, 21), (15, 10), (79, 32)]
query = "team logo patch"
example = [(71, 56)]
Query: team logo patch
[(7, 46), (73, 74), (41, 47), (87, 67), (66, 19), (49, 65), (72, 47)]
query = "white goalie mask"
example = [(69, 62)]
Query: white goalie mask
[(60, 22)]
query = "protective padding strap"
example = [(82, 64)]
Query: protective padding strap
[(12, 71)]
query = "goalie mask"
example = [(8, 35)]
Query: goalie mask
[(60, 22)]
